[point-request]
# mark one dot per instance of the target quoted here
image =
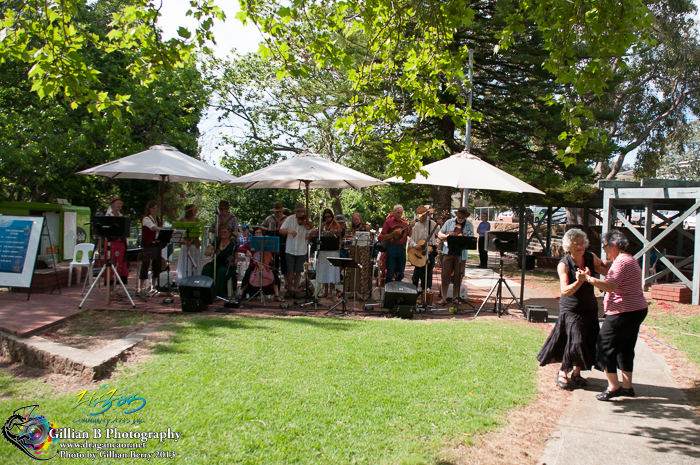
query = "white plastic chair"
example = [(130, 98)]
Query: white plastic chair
[(86, 249)]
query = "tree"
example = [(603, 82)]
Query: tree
[(681, 154), (46, 141), (651, 94), (52, 38)]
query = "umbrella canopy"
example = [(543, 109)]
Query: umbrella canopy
[(466, 171), (160, 163), (309, 170), (306, 169)]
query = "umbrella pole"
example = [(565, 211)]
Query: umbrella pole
[(307, 198)]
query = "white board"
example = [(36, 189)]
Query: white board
[(19, 242)]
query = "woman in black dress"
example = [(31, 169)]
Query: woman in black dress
[(573, 340)]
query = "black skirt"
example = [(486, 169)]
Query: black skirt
[(572, 341)]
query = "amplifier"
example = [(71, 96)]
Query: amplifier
[(194, 305), (399, 293), (403, 311), (536, 314)]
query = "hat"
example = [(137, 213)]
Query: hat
[(224, 205), (245, 226), (299, 207), (340, 219), (277, 207), (462, 212), (420, 211)]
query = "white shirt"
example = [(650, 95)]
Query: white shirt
[(295, 245)]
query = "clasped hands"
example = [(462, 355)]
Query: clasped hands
[(583, 275)]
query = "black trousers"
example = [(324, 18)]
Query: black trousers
[(483, 254), (419, 272), (617, 339)]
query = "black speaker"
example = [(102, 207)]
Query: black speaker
[(196, 293), (502, 241), (113, 227), (399, 293)]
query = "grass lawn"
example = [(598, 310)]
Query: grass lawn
[(306, 390), (677, 325)]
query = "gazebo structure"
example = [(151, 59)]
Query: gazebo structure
[(655, 196)]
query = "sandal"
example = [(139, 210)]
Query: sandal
[(278, 299), (563, 381), (321, 295), (579, 380)]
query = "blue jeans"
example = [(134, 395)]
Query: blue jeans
[(395, 261)]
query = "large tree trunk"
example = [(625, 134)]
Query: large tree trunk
[(336, 206), (442, 201)]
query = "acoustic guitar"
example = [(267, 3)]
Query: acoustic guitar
[(418, 255), (397, 232)]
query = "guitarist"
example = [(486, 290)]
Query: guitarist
[(420, 233), (395, 233), (452, 260)]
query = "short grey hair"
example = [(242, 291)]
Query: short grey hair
[(396, 207), (617, 239), (570, 236)]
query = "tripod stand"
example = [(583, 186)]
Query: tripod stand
[(109, 267), (498, 287), (344, 264)]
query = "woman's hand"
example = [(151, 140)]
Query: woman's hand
[(209, 251), (583, 275)]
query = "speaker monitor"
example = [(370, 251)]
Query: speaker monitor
[(399, 293), (113, 227), (196, 293), (502, 241)]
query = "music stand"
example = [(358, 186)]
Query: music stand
[(458, 244), (343, 263), (163, 239), (263, 244)]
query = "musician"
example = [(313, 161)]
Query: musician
[(244, 238), (356, 223), (327, 273), (396, 247), (299, 229), (452, 259), (274, 223), (420, 233), (150, 225), (227, 218), (190, 261), (344, 248), (225, 249), (118, 245), (257, 265), (481, 230)]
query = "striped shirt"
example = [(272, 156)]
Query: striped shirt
[(628, 297)]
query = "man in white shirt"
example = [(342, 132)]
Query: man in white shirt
[(296, 249), (420, 233)]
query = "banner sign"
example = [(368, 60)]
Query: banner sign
[(19, 242)]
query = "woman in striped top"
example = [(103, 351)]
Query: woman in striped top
[(625, 309)]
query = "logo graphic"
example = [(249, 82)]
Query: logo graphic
[(30, 433)]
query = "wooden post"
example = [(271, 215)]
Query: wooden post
[(648, 222)]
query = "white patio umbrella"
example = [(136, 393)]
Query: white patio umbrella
[(161, 163), (466, 171), (309, 170)]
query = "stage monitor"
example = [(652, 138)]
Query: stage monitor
[(502, 241), (198, 287), (399, 293), (113, 227)]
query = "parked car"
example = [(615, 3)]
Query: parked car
[(690, 222), (506, 214), (558, 216)]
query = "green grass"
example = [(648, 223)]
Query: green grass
[(327, 391), (677, 325)]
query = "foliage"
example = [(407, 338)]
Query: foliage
[(309, 390), (46, 140), (681, 155), (52, 39), (651, 94), (411, 51)]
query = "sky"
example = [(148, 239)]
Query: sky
[(245, 39)]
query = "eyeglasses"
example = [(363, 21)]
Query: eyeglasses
[(605, 246)]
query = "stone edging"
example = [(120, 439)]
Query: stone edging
[(60, 358)]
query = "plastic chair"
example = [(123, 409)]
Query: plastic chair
[(86, 249)]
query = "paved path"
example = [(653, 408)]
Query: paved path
[(656, 427)]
